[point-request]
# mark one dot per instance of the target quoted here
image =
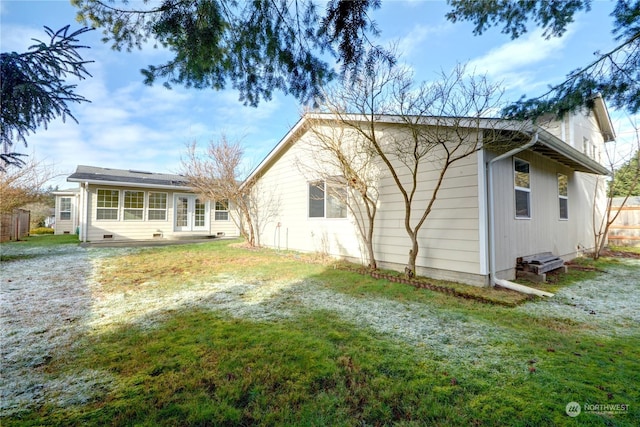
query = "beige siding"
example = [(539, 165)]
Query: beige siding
[(449, 240), (581, 131), (544, 231), (66, 226), (120, 229)]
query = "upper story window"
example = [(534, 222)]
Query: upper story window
[(157, 206), (65, 209), (222, 210), (522, 187), (327, 200), (563, 196), (133, 205), (107, 204)]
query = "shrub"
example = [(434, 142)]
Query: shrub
[(41, 230)]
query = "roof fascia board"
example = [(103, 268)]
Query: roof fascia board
[(564, 149), (603, 118), (129, 184), (279, 148)]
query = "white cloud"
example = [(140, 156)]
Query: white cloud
[(519, 54), (415, 39)]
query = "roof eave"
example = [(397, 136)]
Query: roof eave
[(129, 184), (568, 155), (603, 118)]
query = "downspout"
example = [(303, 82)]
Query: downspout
[(492, 247), (85, 204)]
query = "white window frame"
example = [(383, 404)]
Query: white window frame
[(221, 204), (107, 208), (517, 188), (65, 209), (126, 209), (155, 210), (562, 197), (324, 188)]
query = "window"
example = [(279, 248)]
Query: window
[(133, 205), (327, 200), (222, 210), (563, 196), (157, 207), (107, 204), (65, 209), (522, 186)]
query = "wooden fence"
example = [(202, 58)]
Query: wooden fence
[(15, 225), (625, 231)]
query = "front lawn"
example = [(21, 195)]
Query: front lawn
[(216, 334)]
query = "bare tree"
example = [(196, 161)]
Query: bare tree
[(20, 185), (602, 223), (216, 175), (346, 162), (427, 129), (263, 205)]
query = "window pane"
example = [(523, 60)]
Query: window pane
[(200, 212), (562, 185), (222, 205), (222, 210), (65, 204), (134, 199), (182, 205), (222, 216), (107, 214), (316, 199), (564, 208), (155, 214), (336, 202), (157, 200), (522, 204), (521, 173), (133, 214), (65, 208), (108, 198)]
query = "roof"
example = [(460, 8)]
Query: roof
[(128, 178), (604, 120), (548, 145), (66, 192)]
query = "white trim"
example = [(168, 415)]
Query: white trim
[(483, 228), (523, 189), (124, 208), (191, 214), (561, 196), (149, 208), (132, 184), (117, 208), (216, 210)]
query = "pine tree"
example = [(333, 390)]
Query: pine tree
[(34, 88)]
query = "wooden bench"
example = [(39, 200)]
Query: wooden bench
[(534, 267)]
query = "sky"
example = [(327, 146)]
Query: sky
[(129, 125)]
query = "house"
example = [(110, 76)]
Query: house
[(66, 220), (120, 205), (494, 206)]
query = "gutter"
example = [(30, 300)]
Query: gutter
[(131, 184), (85, 202), (492, 247)]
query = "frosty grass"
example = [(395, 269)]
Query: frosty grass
[(49, 299)]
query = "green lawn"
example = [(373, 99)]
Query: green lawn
[(216, 334)]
